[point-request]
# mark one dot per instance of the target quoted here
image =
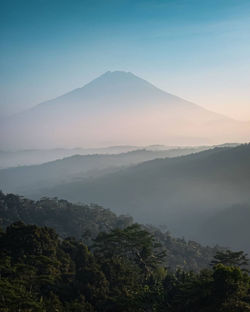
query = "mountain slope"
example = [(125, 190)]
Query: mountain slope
[(86, 222), (181, 192), (229, 227), (118, 108), (14, 158), (27, 178)]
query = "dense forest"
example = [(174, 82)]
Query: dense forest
[(59, 256), (123, 272), (85, 222)]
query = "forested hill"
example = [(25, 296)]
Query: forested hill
[(181, 192), (124, 272), (86, 222)]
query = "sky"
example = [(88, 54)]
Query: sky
[(196, 49)]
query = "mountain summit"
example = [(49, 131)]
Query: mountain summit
[(118, 108), (123, 88)]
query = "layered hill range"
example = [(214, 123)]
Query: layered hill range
[(17, 158), (203, 195), (118, 108), (33, 178)]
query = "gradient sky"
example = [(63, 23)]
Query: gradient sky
[(196, 49)]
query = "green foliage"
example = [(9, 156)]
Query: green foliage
[(125, 273), (126, 268), (223, 289), (129, 258), (39, 272), (230, 258), (134, 244)]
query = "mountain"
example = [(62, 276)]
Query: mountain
[(118, 108), (31, 178), (181, 192), (14, 158)]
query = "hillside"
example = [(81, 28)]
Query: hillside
[(180, 192), (29, 178), (86, 222), (27, 157), (229, 227), (124, 272)]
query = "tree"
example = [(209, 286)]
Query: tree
[(133, 243), (231, 289), (129, 258), (231, 258)]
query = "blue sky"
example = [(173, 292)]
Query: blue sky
[(197, 49)]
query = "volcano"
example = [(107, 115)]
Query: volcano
[(118, 108)]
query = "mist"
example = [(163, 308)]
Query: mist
[(118, 108), (125, 156)]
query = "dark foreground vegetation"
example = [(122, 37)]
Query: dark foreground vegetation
[(123, 272), (85, 258)]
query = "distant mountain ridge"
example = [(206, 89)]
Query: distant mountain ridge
[(27, 157), (118, 108), (26, 178), (181, 192), (203, 196), (14, 158)]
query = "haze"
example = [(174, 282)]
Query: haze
[(118, 108), (198, 50), (141, 107)]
